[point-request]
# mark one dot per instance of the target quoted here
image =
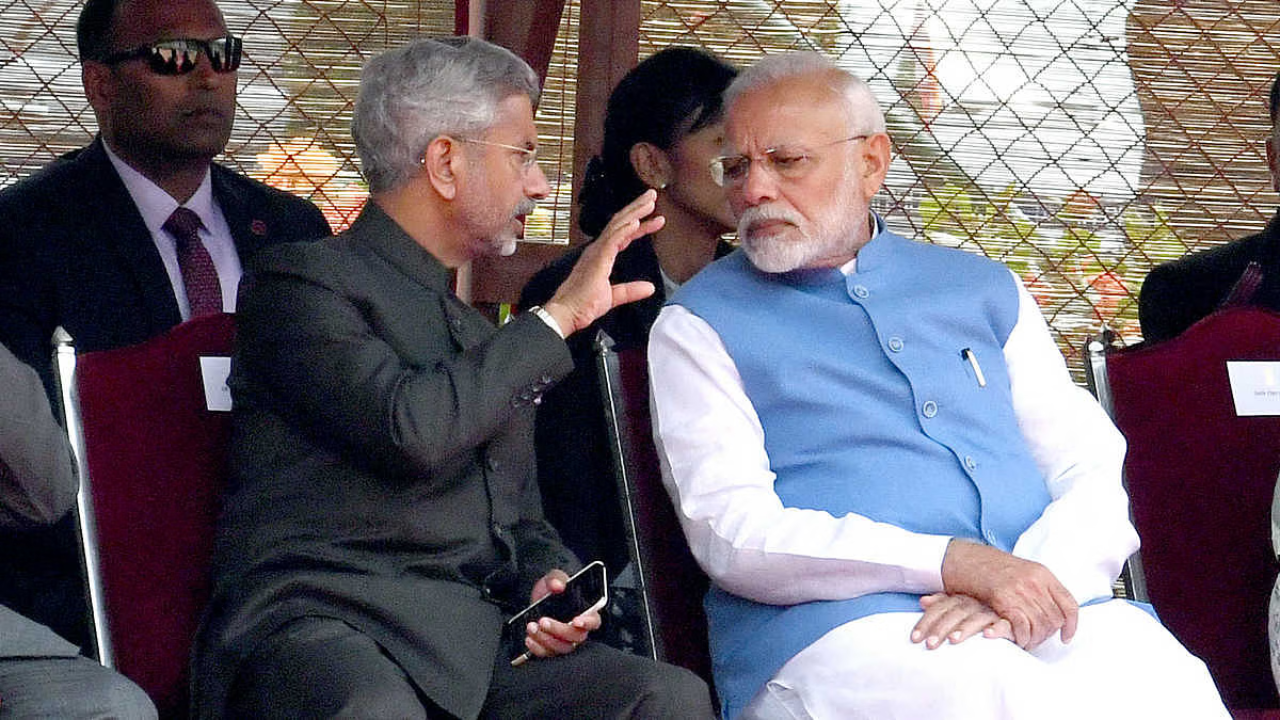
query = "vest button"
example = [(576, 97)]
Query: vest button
[(970, 463), (861, 291), (895, 344), (929, 409)]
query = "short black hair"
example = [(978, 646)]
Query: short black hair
[(93, 29), (1274, 104)]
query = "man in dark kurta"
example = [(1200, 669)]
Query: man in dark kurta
[(383, 518)]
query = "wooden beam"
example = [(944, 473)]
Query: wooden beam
[(526, 27), (608, 47), (462, 15)]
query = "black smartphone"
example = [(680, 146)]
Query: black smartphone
[(586, 590)]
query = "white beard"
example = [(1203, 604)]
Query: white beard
[(505, 243), (835, 235)]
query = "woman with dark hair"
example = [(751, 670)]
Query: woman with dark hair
[(662, 128)]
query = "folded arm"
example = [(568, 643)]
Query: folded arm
[(1084, 536), (1074, 551)]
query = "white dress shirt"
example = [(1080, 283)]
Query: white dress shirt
[(156, 206)]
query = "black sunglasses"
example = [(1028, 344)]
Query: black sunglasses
[(179, 57)]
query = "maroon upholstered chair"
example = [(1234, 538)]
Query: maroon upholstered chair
[(153, 466), (1200, 482), (671, 584)]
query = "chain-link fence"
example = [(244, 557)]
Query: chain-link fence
[(1079, 141)]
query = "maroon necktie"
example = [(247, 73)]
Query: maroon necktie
[(204, 292), (1246, 285)]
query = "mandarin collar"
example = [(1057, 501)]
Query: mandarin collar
[(385, 237)]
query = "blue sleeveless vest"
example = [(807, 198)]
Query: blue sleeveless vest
[(870, 405)]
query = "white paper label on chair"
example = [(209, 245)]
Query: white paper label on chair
[(1255, 387), (217, 396)]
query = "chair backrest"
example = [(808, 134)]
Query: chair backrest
[(671, 584), (152, 461), (1200, 481)]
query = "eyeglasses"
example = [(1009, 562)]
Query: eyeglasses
[(526, 163), (784, 162), (179, 57)]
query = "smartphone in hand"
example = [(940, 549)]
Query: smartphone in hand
[(585, 591)]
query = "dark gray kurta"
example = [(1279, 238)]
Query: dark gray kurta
[(37, 487), (383, 468)]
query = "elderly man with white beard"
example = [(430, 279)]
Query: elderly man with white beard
[(906, 507)]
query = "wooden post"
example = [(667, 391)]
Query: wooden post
[(608, 47)]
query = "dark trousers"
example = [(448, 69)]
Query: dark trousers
[(321, 667)]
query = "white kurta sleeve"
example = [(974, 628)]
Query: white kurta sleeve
[(1084, 535), (711, 445)]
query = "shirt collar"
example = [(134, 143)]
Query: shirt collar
[(156, 205), (669, 286)]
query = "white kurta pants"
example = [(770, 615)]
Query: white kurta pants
[(1121, 664)]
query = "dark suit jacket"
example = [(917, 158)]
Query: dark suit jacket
[(382, 468), (1177, 294), (575, 472), (74, 251), (37, 486)]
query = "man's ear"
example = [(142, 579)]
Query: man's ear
[(652, 165), (99, 86), (876, 154), (441, 162)]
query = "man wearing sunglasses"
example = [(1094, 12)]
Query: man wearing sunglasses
[(88, 243), (906, 507), (91, 242)]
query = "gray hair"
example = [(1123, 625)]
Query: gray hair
[(430, 87), (865, 115)]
